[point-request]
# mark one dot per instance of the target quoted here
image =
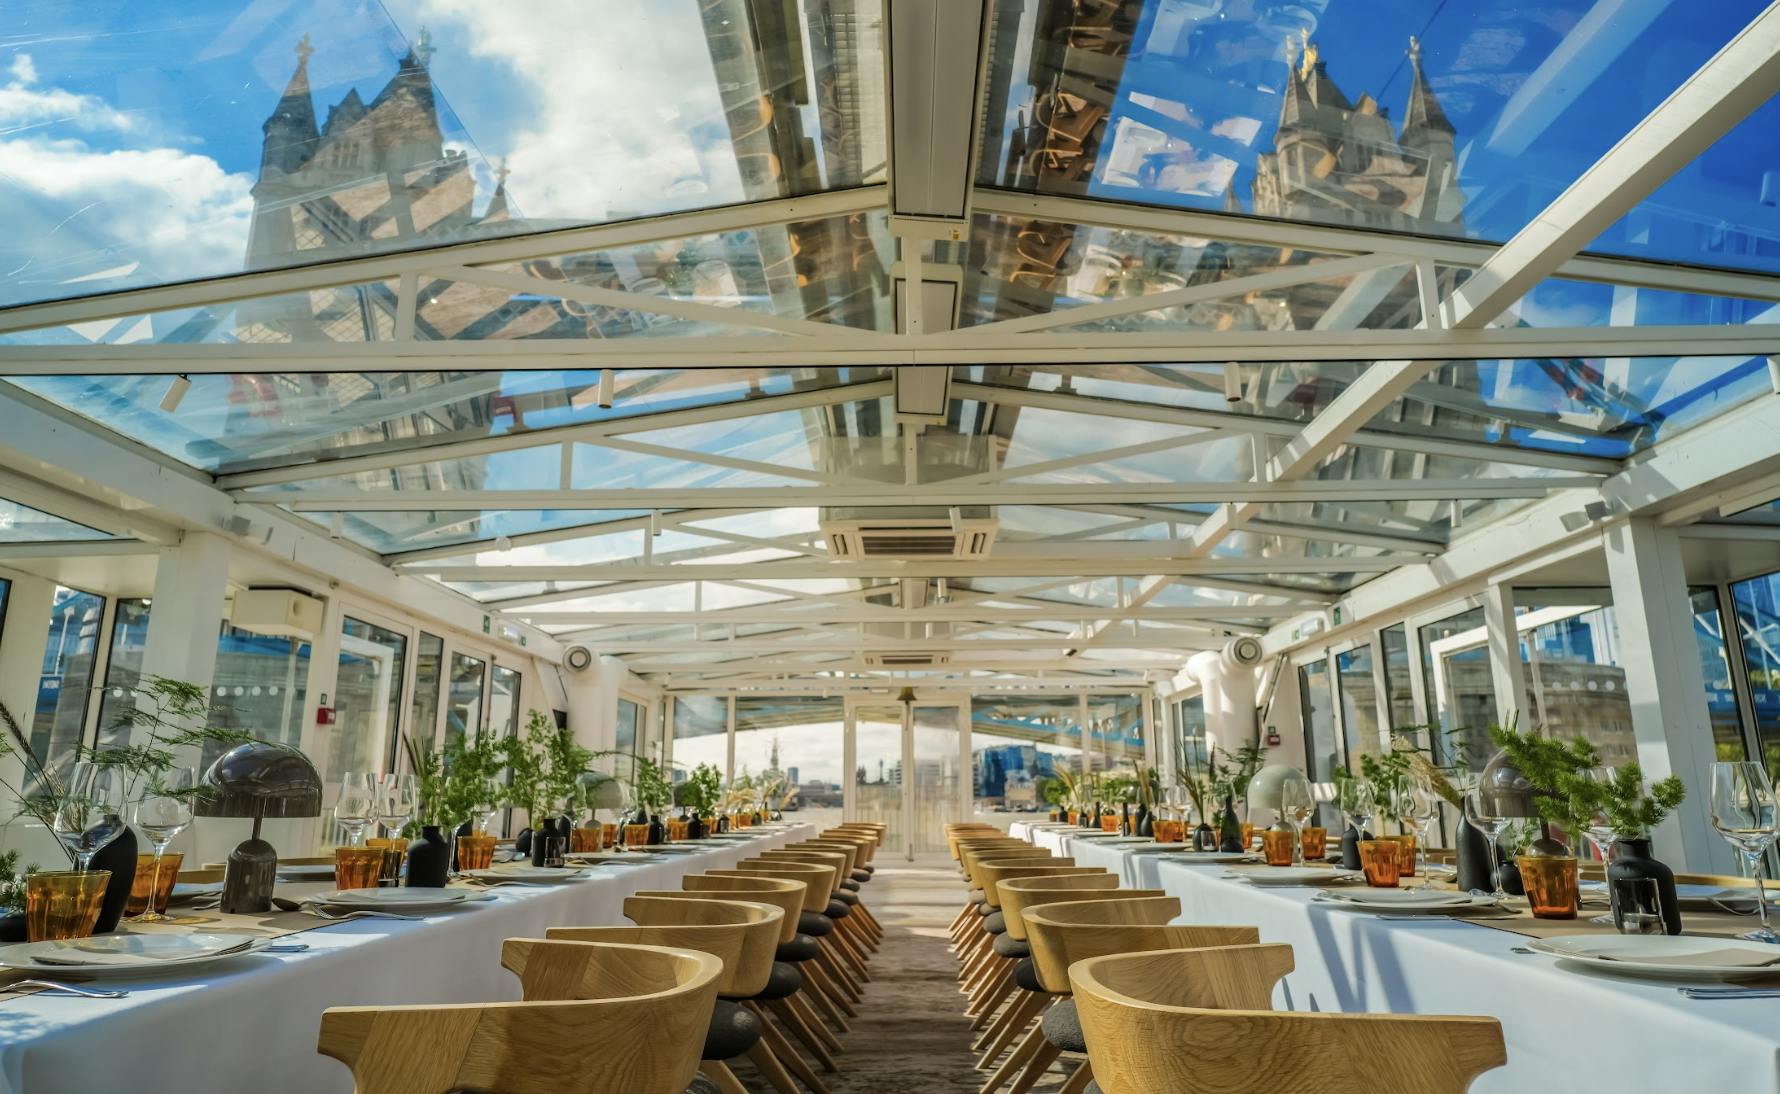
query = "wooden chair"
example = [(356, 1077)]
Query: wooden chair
[(847, 936), (636, 1028), (743, 935), (835, 989), (991, 976), (1196, 1019), (1089, 925)]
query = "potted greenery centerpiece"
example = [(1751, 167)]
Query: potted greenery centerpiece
[(1562, 794), (1632, 812), (456, 784), (1198, 788), (702, 794), (653, 794)]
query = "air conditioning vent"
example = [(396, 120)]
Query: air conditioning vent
[(906, 660), (913, 536)]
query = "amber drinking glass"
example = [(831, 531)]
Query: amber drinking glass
[(63, 903), (585, 839), (608, 835), (1277, 844), (394, 848), (147, 878), (1248, 836), (1383, 862), (1109, 824), (357, 867), (1316, 844), (636, 835), (475, 852), (1550, 881), (1407, 843)]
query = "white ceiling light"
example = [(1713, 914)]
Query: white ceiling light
[(1232, 383), (935, 68), (175, 393), (923, 392)]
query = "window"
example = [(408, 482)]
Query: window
[(503, 703), (123, 669), (701, 732), (5, 591), (1115, 731), (66, 681), (630, 716), (1189, 725), (1715, 669), (463, 702), (429, 676), (1757, 606), (1575, 680), (1399, 693), (1016, 743), (1359, 705), (1461, 693), (802, 737), (1321, 751), (367, 700)]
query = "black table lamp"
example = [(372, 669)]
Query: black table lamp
[(259, 780)]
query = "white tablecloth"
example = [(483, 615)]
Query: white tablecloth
[(252, 1025), (1565, 1030)]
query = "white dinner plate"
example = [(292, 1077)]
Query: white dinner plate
[(530, 875), (1666, 957), (394, 899), (319, 871), (1267, 876), (1089, 833), (1703, 898), (1408, 901), (1211, 856), (1158, 848), (127, 954)]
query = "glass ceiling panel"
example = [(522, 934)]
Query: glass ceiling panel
[(241, 422), (22, 524), (1460, 120), (396, 531), (147, 144), (1768, 513)]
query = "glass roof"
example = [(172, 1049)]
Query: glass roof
[(22, 524), (147, 144), (1455, 119)]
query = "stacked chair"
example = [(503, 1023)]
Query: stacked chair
[(1059, 963), (661, 1005)]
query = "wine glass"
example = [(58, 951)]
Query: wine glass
[(355, 808), (1358, 804), (398, 797), (164, 812), (91, 814), (482, 815), (1296, 804), (1419, 806), (1481, 815), (1600, 830), (1745, 814)]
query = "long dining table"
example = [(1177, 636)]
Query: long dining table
[(1566, 1029), (251, 1024)]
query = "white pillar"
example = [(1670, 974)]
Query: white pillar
[(592, 696), (1661, 658), (1507, 672), (185, 618)]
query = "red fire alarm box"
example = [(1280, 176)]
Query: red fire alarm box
[(324, 716)]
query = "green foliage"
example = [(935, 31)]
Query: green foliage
[(1630, 810), (1232, 779), (1117, 790), (653, 791), (1054, 792), (1517, 837), (12, 882), (701, 790), (564, 760), (454, 782), (1388, 775), (163, 719), (1562, 792)]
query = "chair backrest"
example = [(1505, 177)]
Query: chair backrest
[(741, 934), (993, 873), (640, 1031), (975, 864), (818, 878), (1019, 893), (850, 851), (1146, 1031), (835, 861), (787, 896), (1130, 921)]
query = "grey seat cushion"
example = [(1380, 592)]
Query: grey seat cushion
[(862, 876), (995, 923), (1008, 946), (801, 948), (1092, 1087), (785, 980), (850, 885), (734, 1030), (703, 1084), (985, 910), (846, 898), (838, 909), (1026, 975), (977, 896), (813, 923), (1063, 1027), (869, 868)]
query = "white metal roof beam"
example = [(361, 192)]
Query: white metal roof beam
[(868, 614), (801, 568), (940, 493)]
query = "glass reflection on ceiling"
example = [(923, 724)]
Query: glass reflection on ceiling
[(145, 149), (23, 524)]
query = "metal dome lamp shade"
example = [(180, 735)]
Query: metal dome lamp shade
[(259, 780), (1267, 789)]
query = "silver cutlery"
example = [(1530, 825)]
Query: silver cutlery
[(60, 988), (356, 913), (1730, 993)]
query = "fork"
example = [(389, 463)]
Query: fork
[(68, 989), (361, 913), (1730, 993)]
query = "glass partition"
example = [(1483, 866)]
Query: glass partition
[(1461, 692), (1322, 751), (877, 772), (123, 671), (1728, 743), (429, 679), (1115, 731), (799, 738), (701, 732), (1757, 605), (66, 680), (1399, 695), (1359, 705), (1189, 726), (630, 715), (1017, 742), (937, 778), (463, 697), (503, 702), (1575, 678), (367, 701)]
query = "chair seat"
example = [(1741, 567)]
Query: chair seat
[(985, 910), (838, 909), (1026, 976), (977, 896), (784, 981), (813, 923), (869, 868), (850, 886), (801, 948), (862, 876), (995, 923), (1063, 1027), (734, 1030), (703, 1084), (1008, 946), (847, 898)]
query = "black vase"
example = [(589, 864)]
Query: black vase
[(1231, 843), (1476, 868), (1204, 838), (1509, 875), (12, 927), (722, 824), (118, 856), (541, 840), (657, 832), (429, 859), (463, 829), (522, 843), (1146, 823), (1125, 819), (1632, 859), (1350, 847), (695, 828)]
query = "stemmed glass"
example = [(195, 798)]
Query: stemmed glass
[(398, 797), (1482, 816), (1296, 804), (1745, 814), (162, 814), (91, 814), (1358, 803), (1601, 833), (482, 816), (356, 806), (1419, 806)]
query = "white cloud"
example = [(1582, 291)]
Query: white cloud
[(617, 90), (23, 70), (24, 105)]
